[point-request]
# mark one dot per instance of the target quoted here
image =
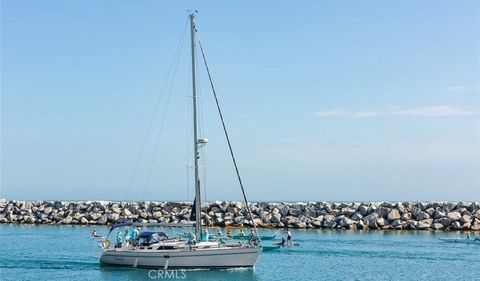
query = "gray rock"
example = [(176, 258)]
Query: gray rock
[(456, 225), (47, 211), (465, 219), (381, 222), (345, 222), (424, 224), (113, 218), (67, 220), (382, 211), (295, 212), (393, 215), (444, 221), (454, 216), (422, 216), (372, 224), (439, 213), (102, 220), (397, 223), (438, 226), (357, 216), (371, 217), (363, 210)]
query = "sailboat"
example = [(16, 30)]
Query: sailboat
[(196, 252)]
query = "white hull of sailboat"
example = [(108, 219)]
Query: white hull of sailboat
[(235, 257)]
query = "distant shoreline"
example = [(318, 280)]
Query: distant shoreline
[(445, 216)]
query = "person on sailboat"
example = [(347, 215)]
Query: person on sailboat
[(126, 237), (229, 233), (192, 239), (219, 233), (135, 236), (119, 240), (205, 236), (241, 233)]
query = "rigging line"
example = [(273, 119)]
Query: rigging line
[(226, 134), (157, 106), (162, 122)]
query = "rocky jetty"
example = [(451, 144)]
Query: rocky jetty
[(327, 215)]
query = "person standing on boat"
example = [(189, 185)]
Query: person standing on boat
[(119, 240), (229, 233), (135, 236), (205, 236), (241, 233), (126, 237)]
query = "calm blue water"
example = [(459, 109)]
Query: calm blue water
[(30, 252)]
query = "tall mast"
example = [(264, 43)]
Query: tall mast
[(198, 201)]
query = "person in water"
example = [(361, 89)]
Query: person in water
[(94, 233), (289, 237)]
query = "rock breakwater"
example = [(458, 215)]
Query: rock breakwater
[(367, 215)]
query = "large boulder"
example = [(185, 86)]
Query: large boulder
[(113, 218), (437, 226), (422, 216), (439, 213), (454, 216), (295, 212), (276, 217), (393, 215), (345, 222), (382, 211), (357, 216), (456, 225), (102, 220), (424, 224), (363, 210), (371, 217), (465, 219), (397, 223), (444, 221)]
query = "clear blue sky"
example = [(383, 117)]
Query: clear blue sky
[(325, 100)]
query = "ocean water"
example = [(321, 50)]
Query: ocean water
[(32, 252)]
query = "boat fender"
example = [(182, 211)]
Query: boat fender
[(106, 244), (165, 267)]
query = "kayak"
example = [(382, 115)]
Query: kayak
[(270, 247), (284, 244), (246, 237), (461, 240)]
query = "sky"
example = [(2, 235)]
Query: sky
[(323, 100)]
